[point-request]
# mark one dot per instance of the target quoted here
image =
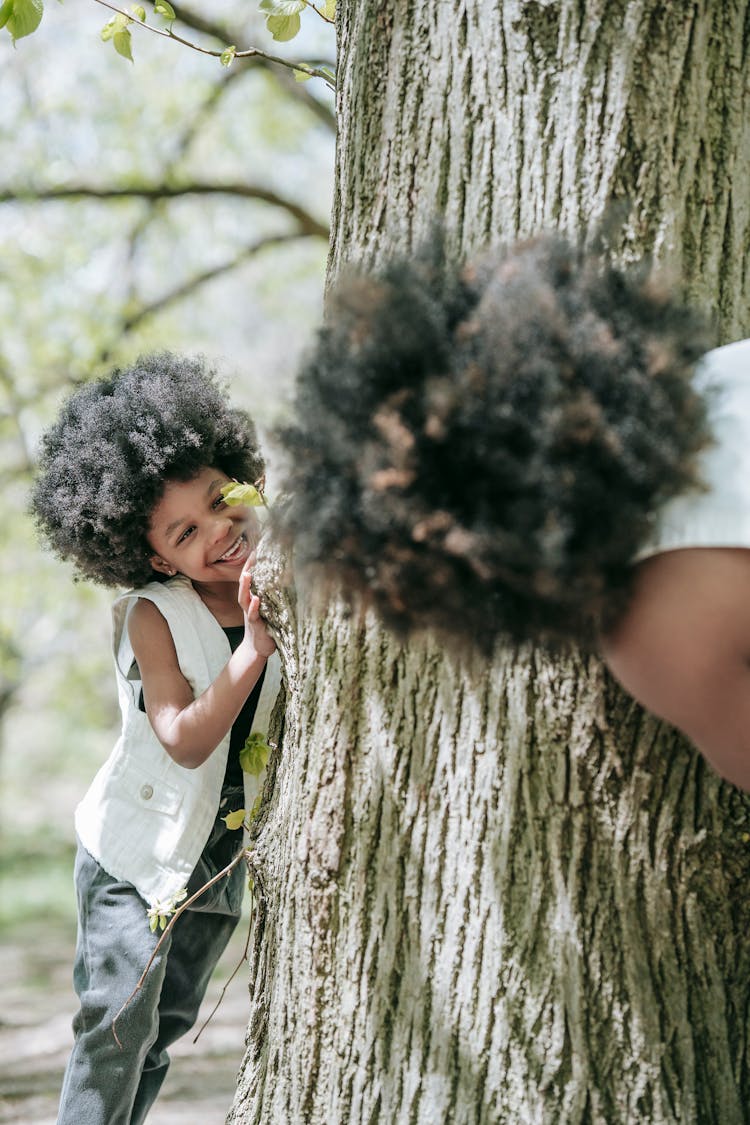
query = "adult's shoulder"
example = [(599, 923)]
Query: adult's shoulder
[(682, 649), (687, 622), (728, 365)]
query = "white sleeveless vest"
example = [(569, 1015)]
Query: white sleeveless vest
[(145, 818)]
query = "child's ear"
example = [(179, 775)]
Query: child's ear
[(160, 565)]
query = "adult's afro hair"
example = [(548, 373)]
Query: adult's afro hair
[(116, 443), (481, 449)]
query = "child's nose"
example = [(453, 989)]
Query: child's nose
[(220, 526)]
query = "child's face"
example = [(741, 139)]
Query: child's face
[(194, 532)]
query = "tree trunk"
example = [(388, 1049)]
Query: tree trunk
[(496, 890)]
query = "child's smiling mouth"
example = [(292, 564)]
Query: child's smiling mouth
[(237, 552)]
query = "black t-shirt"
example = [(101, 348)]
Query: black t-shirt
[(243, 723)]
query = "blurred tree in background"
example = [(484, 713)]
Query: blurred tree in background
[(170, 203)]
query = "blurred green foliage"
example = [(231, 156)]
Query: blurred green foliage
[(174, 203)]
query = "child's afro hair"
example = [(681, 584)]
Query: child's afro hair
[(481, 449), (116, 443)]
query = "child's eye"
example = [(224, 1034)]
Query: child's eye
[(218, 502), (186, 534)]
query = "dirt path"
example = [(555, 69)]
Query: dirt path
[(35, 1013)]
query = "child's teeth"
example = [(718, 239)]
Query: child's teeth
[(233, 549)]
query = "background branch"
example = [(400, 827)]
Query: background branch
[(308, 223), (180, 292), (298, 90)]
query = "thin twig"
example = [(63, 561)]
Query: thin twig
[(238, 966), (180, 148), (16, 406), (160, 303), (298, 91), (242, 854), (131, 322), (323, 16), (249, 53)]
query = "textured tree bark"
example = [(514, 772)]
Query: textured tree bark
[(496, 890), (508, 118)]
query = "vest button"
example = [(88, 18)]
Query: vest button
[(147, 792)]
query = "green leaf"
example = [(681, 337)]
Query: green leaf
[(302, 75), (235, 493), (121, 40), (25, 17), (283, 28), (162, 8), (139, 12), (162, 910), (227, 58), (117, 23), (6, 11), (234, 820), (254, 754), (282, 7), (329, 9)]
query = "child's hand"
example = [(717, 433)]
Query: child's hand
[(255, 627)]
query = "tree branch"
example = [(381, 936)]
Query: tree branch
[(301, 91), (187, 287), (15, 407), (298, 90), (201, 115), (308, 224), (181, 143), (218, 31), (250, 52)]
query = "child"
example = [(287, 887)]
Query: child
[(489, 448), (129, 489)]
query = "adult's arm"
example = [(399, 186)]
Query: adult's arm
[(682, 650)]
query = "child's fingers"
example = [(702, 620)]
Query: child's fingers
[(252, 612), (244, 592)]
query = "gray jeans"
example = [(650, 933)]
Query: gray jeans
[(107, 1084)]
